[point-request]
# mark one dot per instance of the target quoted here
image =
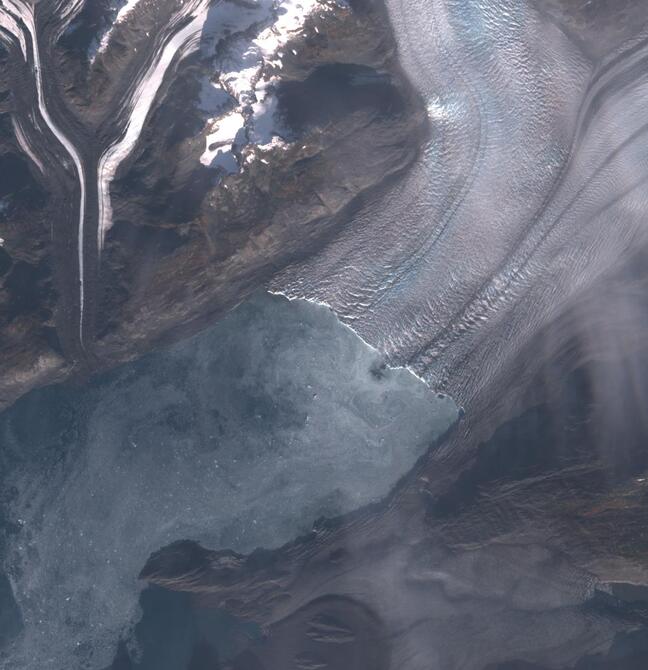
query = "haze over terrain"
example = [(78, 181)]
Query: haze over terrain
[(447, 468)]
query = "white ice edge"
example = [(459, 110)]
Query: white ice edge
[(321, 303)]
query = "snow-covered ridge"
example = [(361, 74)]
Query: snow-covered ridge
[(243, 43), (247, 71), (180, 44), (120, 10)]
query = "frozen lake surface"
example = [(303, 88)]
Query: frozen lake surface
[(240, 437)]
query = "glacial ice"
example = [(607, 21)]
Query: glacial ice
[(239, 437)]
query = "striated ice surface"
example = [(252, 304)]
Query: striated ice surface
[(240, 437), (531, 187)]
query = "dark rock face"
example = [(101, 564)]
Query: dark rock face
[(507, 267), (188, 241), (253, 224)]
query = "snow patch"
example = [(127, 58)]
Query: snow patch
[(120, 9), (247, 67)]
